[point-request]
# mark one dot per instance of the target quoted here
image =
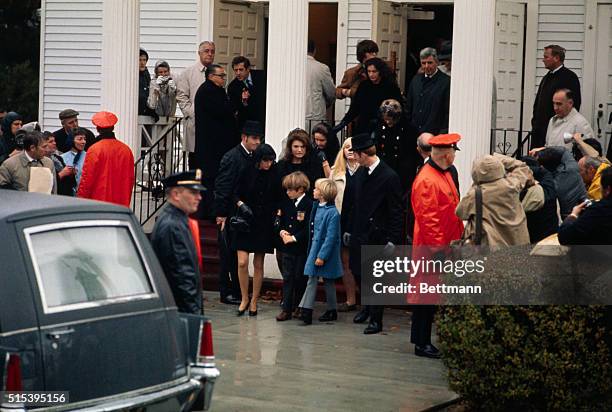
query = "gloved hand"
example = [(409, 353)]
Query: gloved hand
[(171, 83), (245, 211), (346, 239), (388, 249), (334, 130), (277, 223), (321, 155)]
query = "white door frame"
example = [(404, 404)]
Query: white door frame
[(590, 60)]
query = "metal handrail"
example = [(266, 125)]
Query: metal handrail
[(163, 158), (510, 142)]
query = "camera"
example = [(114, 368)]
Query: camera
[(588, 203), (162, 80)]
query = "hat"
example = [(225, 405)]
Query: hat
[(252, 128), (446, 50), (487, 169), (191, 179), (362, 141), (104, 120), (445, 140), (68, 113)]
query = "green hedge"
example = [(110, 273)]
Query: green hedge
[(529, 358)]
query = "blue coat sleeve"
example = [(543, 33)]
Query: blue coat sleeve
[(332, 235)]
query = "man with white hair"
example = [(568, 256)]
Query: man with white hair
[(423, 146), (187, 86), (428, 97)]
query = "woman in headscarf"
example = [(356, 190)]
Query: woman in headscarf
[(8, 143), (257, 198)]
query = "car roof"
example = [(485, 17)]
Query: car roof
[(16, 205)]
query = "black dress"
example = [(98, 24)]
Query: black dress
[(260, 191), (311, 167)]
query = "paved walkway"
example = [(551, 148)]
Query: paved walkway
[(270, 366)]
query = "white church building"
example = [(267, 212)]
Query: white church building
[(89, 54)]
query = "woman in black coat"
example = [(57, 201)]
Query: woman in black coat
[(380, 85), (300, 157), (257, 198)]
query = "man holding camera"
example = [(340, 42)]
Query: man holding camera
[(162, 91), (566, 121)]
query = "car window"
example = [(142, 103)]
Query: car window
[(86, 266)]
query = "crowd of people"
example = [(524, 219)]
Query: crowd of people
[(315, 204)]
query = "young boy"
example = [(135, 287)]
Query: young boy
[(293, 230)]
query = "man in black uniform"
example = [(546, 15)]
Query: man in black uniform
[(173, 242), (230, 168), (376, 218)]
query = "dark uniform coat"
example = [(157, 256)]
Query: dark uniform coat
[(295, 219), (255, 108), (175, 249), (543, 109), (427, 103), (215, 128)]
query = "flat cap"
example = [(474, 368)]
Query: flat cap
[(445, 140), (191, 179), (68, 113), (104, 120)]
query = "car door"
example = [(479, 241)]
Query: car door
[(104, 326)]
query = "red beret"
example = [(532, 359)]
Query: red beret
[(104, 120), (445, 140)]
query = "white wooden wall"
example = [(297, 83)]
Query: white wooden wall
[(561, 22)]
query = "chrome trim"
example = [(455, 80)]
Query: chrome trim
[(208, 377), (5, 370), (17, 332), (99, 318), (197, 355), (119, 401), (28, 232)]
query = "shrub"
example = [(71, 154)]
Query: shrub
[(529, 358)]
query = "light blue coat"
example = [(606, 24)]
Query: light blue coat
[(325, 243)]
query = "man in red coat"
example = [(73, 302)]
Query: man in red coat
[(435, 196), (108, 172)]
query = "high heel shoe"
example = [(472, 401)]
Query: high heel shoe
[(252, 312), (240, 312)]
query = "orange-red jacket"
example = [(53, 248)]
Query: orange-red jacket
[(194, 227), (108, 173), (434, 200)]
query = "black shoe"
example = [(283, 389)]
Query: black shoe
[(373, 327), (361, 316), (427, 351), (306, 316), (252, 312), (329, 316), (240, 312), (231, 300)]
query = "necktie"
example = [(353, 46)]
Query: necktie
[(35, 162)]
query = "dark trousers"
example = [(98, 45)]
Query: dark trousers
[(376, 312), (191, 160), (422, 319), (294, 281), (228, 266)]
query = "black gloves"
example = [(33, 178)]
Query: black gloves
[(346, 239), (245, 211), (321, 155)]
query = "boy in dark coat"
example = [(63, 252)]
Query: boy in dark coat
[(292, 228)]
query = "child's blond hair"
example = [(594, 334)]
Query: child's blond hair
[(327, 189)]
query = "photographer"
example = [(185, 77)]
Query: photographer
[(162, 91), (8, 142), (590, 223)]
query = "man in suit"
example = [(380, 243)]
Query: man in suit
[(15, 171), (215, 127), (247, 92), (558, 77), (376, 218), (187, 86), (64, 137), (231, 166), (320, 89), (428, 97)]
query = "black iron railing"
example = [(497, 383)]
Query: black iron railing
[(510, 142), (164, 157)]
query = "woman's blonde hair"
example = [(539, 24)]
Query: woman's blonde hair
[(339, 167), (327, 189)]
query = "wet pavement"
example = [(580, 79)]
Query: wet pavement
[(276, 366)]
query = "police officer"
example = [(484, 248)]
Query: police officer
[(173, 242)]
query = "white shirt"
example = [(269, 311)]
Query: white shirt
[(30, 159), (245, 149), (373, 166), (299, 199), (556, 70), (573, 123)]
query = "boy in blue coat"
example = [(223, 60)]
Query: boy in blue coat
[(324, 252)]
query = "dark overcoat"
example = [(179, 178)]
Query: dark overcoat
[(255, 109), (427, 103)]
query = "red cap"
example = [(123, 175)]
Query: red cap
[(104, 120), (445, 140)]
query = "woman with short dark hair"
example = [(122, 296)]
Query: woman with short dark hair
[(299, 157)]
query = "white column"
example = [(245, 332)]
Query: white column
[(119, 94), (286, 69), (472, 82)]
